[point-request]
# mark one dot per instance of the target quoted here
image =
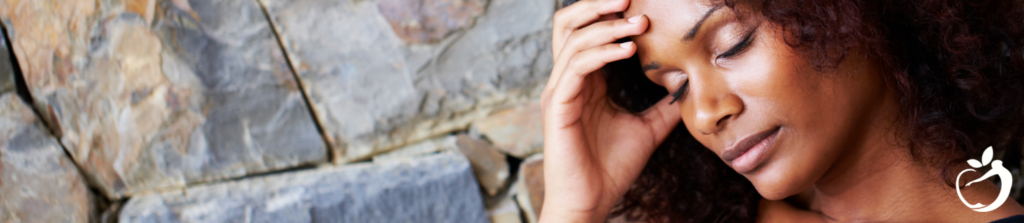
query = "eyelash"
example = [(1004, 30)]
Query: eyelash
[(739, 48), (678, 93)]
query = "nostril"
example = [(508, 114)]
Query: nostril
[(719, 123)]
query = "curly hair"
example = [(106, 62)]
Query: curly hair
[(958, 67)]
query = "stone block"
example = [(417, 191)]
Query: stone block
[(144, 8), (6, 66), (489, 165), (505, 211), (38, 182), (530, 194), (517, 131), (428, 21), (416, 150), (373, 92), (201, 93), (437, 188)]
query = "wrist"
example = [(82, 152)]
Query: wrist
[(552, 212)]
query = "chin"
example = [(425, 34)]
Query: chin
[(777, 183), (774, 195)]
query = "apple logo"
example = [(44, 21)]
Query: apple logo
[(1005, 178)]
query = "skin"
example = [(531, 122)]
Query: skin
[(834, 158)]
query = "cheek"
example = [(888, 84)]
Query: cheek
[(778, 83), (813, 108), (819, 118)]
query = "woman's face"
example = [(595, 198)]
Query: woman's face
[(750, 98)]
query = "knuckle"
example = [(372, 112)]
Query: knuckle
[(571, 63), (577, 40), (560, 17), (569, 71), (565, 15), (572, 39)]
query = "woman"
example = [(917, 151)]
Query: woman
[(798, 110)]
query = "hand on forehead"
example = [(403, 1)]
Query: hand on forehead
[(672, 12)]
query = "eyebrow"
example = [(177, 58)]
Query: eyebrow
[(693, 31), (651, 66), (689, 36)]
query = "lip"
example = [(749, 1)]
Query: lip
[(748, 153)]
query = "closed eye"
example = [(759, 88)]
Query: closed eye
[(739, 47), (679, 92)]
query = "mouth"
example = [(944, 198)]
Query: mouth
[(749, 153)]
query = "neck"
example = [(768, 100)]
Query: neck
[(878, 180), (882, 185)]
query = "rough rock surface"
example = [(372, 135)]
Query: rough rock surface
[(489, 165), (530, 192), (420, 149), (438, 188), (38, 183), (506, 211), (372, 92), (517, 131), (6, 66), (149, 98), (427, 21)]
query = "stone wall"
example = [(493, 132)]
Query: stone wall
[(272, 110)]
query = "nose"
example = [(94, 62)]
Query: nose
[(714, 103)]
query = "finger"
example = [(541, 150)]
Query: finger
[(662, 118), (605, 32), (583, 63), (596, 34), (577, 15), (559, 104), (596, 87)]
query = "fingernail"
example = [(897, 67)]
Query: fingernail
[(634, 19), (625, 44)]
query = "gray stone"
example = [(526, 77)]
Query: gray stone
[(38, 183), (489, 165), (517, 131), (372, 92), (420, 149), (151, 98), (438, 188), (427, 21)]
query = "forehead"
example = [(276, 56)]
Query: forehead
[(662, 14), (669, 22)]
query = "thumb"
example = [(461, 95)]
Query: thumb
[(662, 118)]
